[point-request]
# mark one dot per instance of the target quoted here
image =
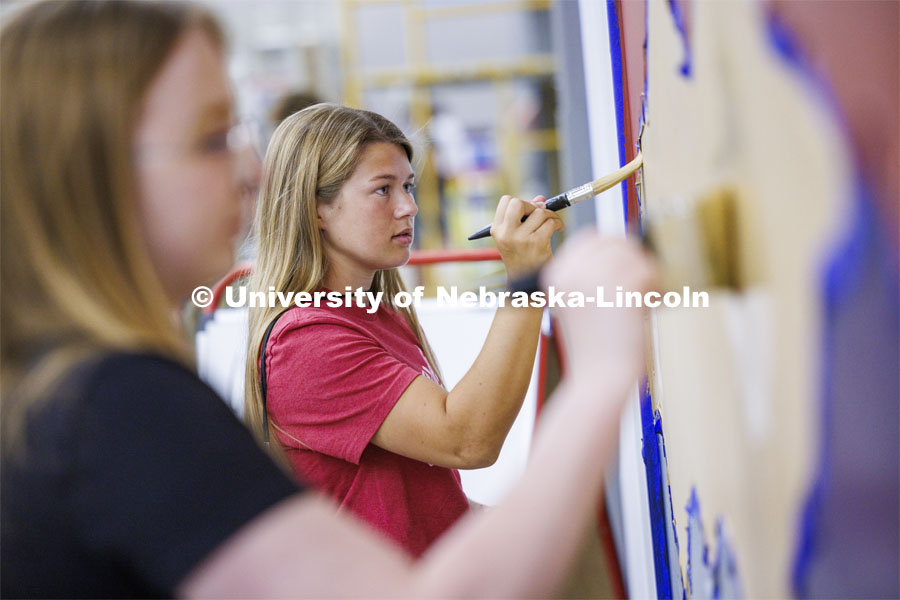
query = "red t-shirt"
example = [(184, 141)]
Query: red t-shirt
[(333, 375)]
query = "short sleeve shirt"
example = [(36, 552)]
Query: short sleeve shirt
[(124, 480), (333, 375)]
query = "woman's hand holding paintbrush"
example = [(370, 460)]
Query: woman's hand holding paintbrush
[(522, 232), (578, 194)]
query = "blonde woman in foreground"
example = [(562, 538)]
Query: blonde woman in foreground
[(122, 474)]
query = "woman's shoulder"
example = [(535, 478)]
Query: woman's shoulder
[(106, 390), (141, 386), (104, 371), (134, 370), (313, 320), (128, 384)]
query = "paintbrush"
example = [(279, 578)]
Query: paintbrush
[(697, 241), (582, 192)]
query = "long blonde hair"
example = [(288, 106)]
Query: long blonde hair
[(76, 275), (310, 156)]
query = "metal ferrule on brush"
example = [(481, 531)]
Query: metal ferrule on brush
[(580, 193)]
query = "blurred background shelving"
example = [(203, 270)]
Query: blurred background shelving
[(478, 86)]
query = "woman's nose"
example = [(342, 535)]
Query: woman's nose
[(406, 206)]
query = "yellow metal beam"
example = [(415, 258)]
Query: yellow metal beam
[(382, 2), (485, 8), (541, 140), (508, 136), (420, 115), (533, 66), (463, 9), (353, 85)]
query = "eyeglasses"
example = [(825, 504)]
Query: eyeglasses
[(240, 139), (245, 136)]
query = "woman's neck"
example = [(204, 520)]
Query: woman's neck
[(340, 279)]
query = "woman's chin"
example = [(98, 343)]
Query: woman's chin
[(398, 259)]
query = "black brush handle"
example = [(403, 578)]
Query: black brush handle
[(555, 203)]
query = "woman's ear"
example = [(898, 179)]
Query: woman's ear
[(327, 211), (322, 213)]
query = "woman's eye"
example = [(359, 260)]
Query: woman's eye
[(382, 191), (409, 188), (215, 143)]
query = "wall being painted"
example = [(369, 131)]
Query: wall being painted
[(747, 186)]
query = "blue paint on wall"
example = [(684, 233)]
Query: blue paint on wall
[(675, 9), (849, 531), (719, 580), (700, 576), (615, 52), (677, 583), (655, 482), (726, 578)]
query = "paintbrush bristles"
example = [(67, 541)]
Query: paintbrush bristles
[(718, 219), (612, 179), (697, 239)]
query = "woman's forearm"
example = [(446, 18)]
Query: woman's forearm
[(488, 398), (522, 547)]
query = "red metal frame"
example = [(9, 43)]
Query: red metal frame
[(633, 64), (241, 269), (542, 375), (430, 257)]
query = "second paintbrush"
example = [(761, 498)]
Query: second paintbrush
[(583, 192)]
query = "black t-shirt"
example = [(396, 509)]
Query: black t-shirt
[(124, 481)]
